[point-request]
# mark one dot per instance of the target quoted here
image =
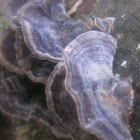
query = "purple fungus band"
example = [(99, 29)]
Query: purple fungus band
[(102, 101), (62, 105)]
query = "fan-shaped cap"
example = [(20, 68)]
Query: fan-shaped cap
[(37, 70), (20, 98), (45, 36), (8, 53), (62, 106), (46, 27), (91, 83)]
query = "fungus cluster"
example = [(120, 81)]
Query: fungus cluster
[(45, 47)]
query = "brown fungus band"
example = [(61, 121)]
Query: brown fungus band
[(8, 52), (103, 101), (36, 69), (62, 106), (16, 57), (21, 98), (45, 38)]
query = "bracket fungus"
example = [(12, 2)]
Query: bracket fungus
[(37, 70), (62, 105), (18, 101), (47, 33), (83, 95), (103, 101)]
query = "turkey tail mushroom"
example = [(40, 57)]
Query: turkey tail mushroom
[(84, 81), (62, 106), (22, 99), (36, 69), (103, 101), (47, 29)]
